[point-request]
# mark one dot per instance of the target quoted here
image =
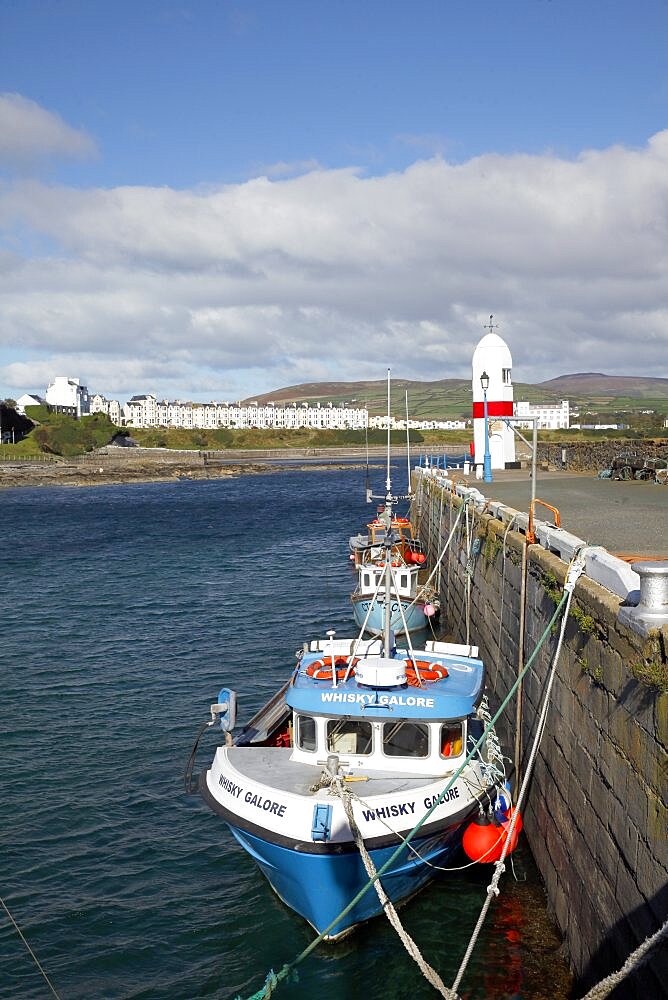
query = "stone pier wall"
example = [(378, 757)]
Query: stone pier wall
[(593, 456), (596, 812)]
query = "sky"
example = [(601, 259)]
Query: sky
[(210, 199)]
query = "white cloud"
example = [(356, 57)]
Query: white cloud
[(29, 132), (332, 275), (284, 169)]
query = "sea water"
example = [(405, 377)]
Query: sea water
[(123, 610)]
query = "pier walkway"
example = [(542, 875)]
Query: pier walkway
[(626, 518)]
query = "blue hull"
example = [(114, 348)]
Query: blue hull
[(413, 613), (320, 886)]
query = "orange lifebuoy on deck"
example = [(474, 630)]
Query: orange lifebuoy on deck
[(423, 670), (321, 670)]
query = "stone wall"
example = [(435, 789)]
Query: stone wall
[(595, 817), (592, 456)]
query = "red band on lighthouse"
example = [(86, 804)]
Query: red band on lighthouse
[(504, 408)]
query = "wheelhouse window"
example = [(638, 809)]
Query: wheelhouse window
[(306, 734), (405, 739), (349, 736), (451, 739)]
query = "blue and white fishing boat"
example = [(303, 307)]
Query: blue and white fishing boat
[(356, 747), (389, 562), (392, 578)]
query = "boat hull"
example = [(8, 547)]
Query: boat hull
[(413, 613), (320, 886)]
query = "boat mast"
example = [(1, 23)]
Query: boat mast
[(388, 533), (388, 481), (408, 448)]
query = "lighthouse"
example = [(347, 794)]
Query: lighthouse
[(492, 362)]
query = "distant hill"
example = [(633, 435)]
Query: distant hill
[(451, 398), (595, 384)]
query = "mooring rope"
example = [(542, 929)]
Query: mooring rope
[(503, 595), (632, 963), (32, 953), (430, 974), (574, 572)]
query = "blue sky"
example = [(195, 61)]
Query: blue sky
[(210, 199)]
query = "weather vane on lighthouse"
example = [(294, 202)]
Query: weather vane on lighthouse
[(491, 326)]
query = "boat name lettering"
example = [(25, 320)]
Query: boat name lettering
[(267, 805), (365, 605), (386, 812), (229, 786), (452, 793), (404, 701)]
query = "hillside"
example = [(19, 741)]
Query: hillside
[(588, 385), (451, 398)]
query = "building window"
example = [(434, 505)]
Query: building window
[(505, 372)]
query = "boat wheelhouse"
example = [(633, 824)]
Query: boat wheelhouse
[(367, 547), (411, 603)]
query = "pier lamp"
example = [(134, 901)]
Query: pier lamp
[(487, 459)]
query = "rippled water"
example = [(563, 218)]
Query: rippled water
[(123, 610)]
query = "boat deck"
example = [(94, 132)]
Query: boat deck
[(272, 766)]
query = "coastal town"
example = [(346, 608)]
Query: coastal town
[(70, 396)]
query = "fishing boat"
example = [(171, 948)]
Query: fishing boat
[(412, 603), (366, 739), (389, 562)]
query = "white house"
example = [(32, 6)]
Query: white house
[(68, 395), (418, 425), (141, 411), (550, 416), (28, 399), (112, 408)]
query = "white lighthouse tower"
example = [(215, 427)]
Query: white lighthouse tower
[(492, 359)]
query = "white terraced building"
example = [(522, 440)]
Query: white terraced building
[(146, 411), (68, 395), (551, 416), (100, 404), (418, 425)]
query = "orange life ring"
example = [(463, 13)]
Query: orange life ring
[(423, 670), (321, 670)]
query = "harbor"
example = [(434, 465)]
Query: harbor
[(334, 482), (123, 885)]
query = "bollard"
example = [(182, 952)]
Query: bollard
[(652, 608)]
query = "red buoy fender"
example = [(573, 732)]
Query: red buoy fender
[(484, 839)]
